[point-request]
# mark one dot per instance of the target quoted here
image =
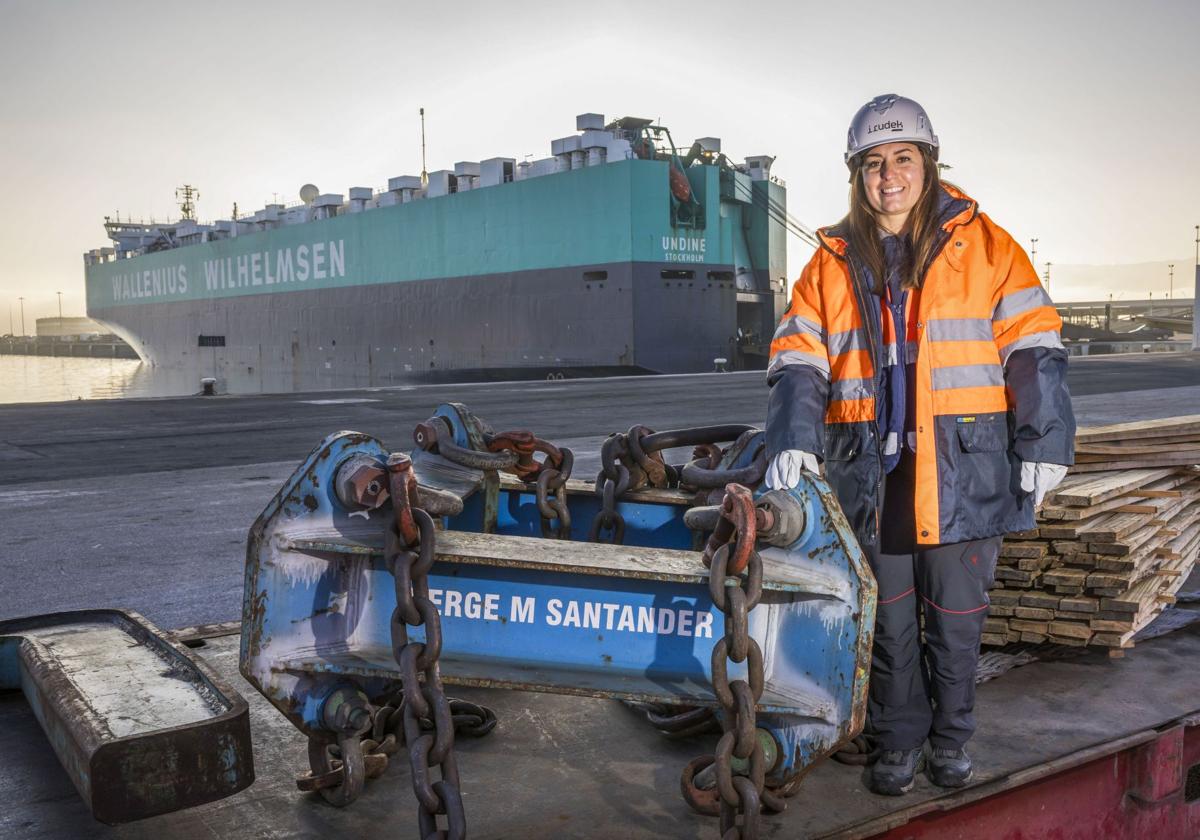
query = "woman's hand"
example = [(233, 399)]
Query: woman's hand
[(784, 470), (1036, 478)]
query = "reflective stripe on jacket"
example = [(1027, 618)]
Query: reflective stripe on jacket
[(990, 380)]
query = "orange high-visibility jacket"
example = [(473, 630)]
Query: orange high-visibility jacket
[(990, 379)]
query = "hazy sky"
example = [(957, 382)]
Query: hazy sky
[(1076, 122)]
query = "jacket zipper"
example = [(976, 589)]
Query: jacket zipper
[(869, 325)]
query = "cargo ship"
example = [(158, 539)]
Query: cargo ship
[(619, 253)]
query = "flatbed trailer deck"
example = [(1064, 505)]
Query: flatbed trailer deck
[(1081, 747)]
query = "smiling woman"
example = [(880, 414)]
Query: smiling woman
[(920, 359)]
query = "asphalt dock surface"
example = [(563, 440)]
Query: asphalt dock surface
[(146, 503)]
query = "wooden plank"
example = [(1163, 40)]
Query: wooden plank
[(1070, 629), (1139, 430), (995, 625), (1082, 606), (994, 639), (1023, 549), (1067, 640), (1069, 514), (1031, 564), (1185, 459), (1126, 545), (1112, 527), (1027, 626), (1003, 598), (1034, 614), (1068, 591), (1132, 448), (1040, 600), (1103, 486), (1065, 577), (1163, 485), (1014, 575), (1114, 640)]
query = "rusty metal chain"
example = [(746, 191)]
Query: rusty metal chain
[(512, 452), (704, 471), (611, 483), (409, 551), (735, 584), (549, 476), (383, 739), (633, 460), (553, 480), (677, 721)]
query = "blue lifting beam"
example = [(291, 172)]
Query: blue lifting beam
[(632, 621)]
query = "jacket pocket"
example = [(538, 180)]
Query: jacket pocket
[(843, 444), (983, 474), (852, 471), (986, 436)]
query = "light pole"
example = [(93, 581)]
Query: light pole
[(1048, 264), (1034, 255), (59, 309), (22, 316), (1171, 281), (1196, 297)]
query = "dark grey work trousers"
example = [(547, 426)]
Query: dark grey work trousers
[(924, 690)]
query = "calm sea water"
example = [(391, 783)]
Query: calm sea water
[(49, 379)]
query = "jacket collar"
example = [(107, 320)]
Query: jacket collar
[(954, 208)]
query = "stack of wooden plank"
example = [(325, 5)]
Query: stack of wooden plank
[(1112, 545)]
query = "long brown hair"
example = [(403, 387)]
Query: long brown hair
[(863, 230)]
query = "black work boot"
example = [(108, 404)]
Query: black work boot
[(949, 768), (894, 771)]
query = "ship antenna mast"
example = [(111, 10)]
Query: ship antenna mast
[(187, 206), (424, 174)]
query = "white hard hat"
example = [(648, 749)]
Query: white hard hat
[(889, 118)]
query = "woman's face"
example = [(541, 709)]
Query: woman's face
[(894, 176)]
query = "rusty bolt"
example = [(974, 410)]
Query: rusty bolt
[(359, 718), (425, 435), (346, 710), (362, 483)]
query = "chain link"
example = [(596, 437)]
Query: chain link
[(735, 584), (409, 551), (549, 476)]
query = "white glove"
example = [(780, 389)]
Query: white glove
[(784, 469), (1039, 479)]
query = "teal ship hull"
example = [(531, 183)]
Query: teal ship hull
[(584, 272)]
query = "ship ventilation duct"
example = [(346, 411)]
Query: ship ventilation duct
[(442, 182), (360, 197), (466, 174), (404, 187), (496, 171), (584, 122), (759, 167), (326, 206)]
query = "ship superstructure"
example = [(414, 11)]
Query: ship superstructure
[(617, 253)]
